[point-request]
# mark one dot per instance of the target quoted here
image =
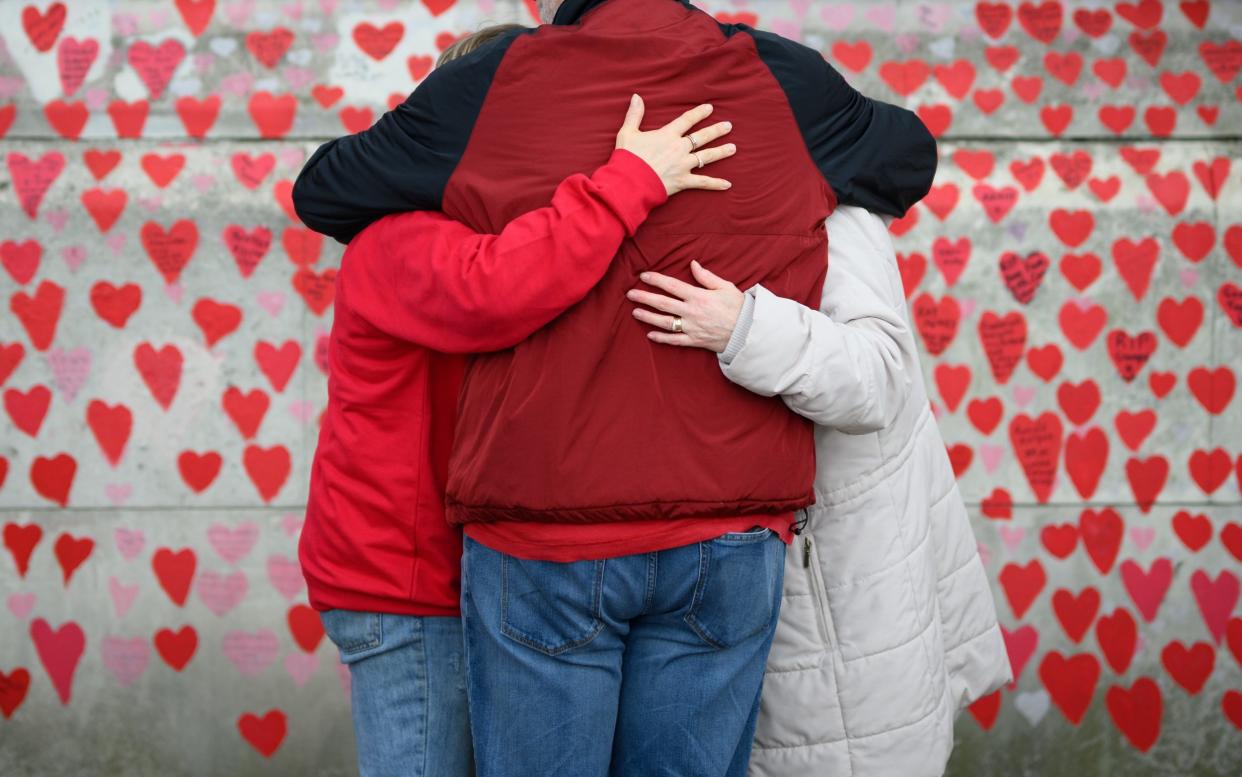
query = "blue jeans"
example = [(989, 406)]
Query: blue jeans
[(643, 665), (408, 690)]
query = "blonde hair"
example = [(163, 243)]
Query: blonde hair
[(473, 41)]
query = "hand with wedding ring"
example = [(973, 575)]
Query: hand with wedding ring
[(665, 149), (692, 317)]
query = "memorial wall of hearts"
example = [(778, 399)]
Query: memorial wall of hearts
[(1074, 277)]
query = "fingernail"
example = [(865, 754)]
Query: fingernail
[(728, 125), (644, 277), (728, 184)]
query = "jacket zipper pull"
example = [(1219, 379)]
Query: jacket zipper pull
[(806, 552)]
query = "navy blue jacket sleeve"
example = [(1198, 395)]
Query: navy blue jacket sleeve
[(874, 155), (404, 161)]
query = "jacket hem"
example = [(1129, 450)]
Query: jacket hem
[(321, 600), (459, 513)]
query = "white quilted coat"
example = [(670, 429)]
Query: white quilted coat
[(888, 628)]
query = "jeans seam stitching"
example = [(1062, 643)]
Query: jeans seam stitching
[(426, 679), (705, 553)]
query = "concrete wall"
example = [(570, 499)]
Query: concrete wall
[(154, 618)]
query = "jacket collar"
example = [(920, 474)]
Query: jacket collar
[(572, 10)]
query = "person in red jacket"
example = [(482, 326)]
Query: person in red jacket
[(414, 292)]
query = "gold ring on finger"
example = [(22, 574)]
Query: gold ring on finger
[(677, 327)]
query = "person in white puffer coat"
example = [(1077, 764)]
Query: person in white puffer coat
[(888, 628)]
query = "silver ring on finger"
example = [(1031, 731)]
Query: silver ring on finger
[(677, 327), (699, 158), (694, 144)]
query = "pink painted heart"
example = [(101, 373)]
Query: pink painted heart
[(250, 652), (326, 42), (73, 256), (126, 659), (21, 605), (302, 410), (933, 16), (292, 524), (285, 575), (123, 596), (96, 98), (10, 86), (1188, 278), (157, 18), (174, 291), (237, 84), (124, 24), (57, 219), (1022, 395), (116, 241), (908, 44), (301, 666), (238, 12), (881, 17), (837, 17), (70, 369), (291, 157), (991, 455), (129, 542), (298, 77), (203, 183), (271, 301), (118, 493), (1012, 537), (233, 543), (1142, 536), (221, 593)]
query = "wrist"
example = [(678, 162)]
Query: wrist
[(632, 185), (741, 329)]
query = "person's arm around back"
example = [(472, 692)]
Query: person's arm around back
[(425, 278), (844, 365)]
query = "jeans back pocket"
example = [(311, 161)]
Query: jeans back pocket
[(549, 606), (736, 597)]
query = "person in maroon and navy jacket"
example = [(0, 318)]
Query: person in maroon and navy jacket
[(414, 292), (624, 505)]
